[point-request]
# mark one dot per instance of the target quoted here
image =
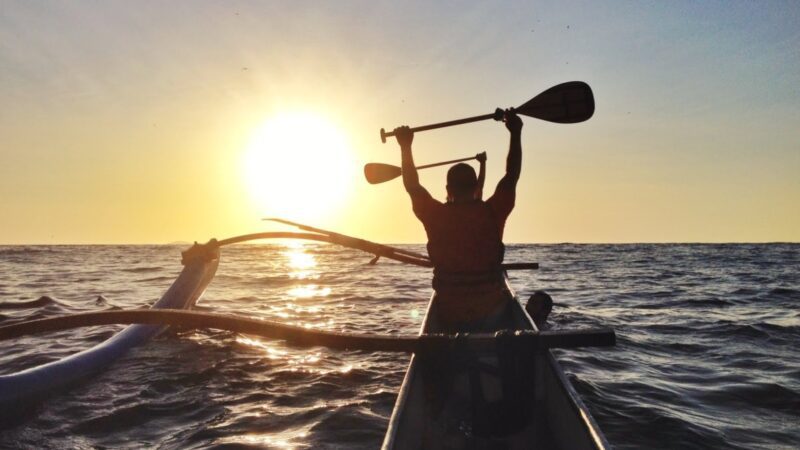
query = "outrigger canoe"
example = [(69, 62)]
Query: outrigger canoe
[(460, 391)]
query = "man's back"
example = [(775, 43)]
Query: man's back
[(465, 237)]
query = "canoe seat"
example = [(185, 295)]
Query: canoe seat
[(509, 412)]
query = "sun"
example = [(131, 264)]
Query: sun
[(298, 166)]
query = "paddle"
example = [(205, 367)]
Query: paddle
[(569, 102), (309, 337), (380, 173)]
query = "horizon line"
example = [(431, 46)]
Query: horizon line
[(187, 243)]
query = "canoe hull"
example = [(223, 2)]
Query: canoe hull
[(547, 412)]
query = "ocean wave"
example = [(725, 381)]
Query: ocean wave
[(40, 302), (24, 250), (142, 269), (769, 396), (788, 293)]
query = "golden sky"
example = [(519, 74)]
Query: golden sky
[(128, 122)]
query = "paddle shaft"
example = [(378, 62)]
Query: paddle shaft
[(376, 173), (444, 163), (450, 123)]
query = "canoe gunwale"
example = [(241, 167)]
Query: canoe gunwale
[(405, 388), (579, 407)]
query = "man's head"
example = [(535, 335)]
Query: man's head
[(461, 182)]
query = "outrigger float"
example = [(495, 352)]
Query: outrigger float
[(502, 390)]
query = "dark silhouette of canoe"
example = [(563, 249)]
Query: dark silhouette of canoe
[(490, 400)]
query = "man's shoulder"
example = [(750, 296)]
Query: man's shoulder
[(502, 201), (423, 202), (502, 194)]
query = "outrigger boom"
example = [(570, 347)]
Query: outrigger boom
[(525, 339)]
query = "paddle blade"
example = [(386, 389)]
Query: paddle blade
[(569, 102), (380, 173)]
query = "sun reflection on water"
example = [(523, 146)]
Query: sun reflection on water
[(299, 310), (309, 290), (274, 351), (300, 260), (297, 360), (302, 264), (285, 440)]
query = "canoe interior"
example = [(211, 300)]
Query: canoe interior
[(489, 401)]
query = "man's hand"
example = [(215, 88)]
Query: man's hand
[(481, 157), (404, 136), (512, 120)]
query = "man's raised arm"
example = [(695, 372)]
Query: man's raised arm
[(410, 177), (514, 160), (481, 157)]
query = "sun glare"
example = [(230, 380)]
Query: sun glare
[(298, 166)]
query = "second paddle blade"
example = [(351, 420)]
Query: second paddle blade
[(569, 102), (380, 173)]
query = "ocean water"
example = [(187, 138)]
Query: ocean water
[(707, 356)]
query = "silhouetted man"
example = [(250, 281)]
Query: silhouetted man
[(465, 235)]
